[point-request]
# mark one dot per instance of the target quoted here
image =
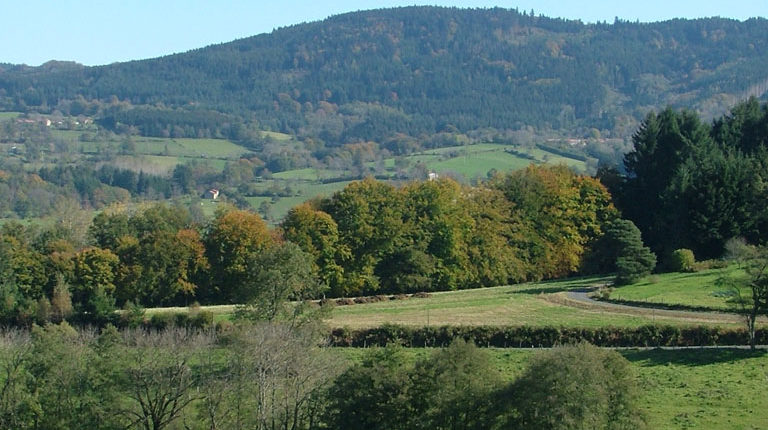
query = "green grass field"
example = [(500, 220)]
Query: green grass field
[(689, 289), (533, 304), (156, 146), (682, 389), (309, 174), (526, 304), (198, 148), (68, 135), (8, 115), (162, 164), (473, 161), (277, 136), (479, 163)]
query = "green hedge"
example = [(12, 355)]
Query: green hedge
[(562, 152), (533, 337)]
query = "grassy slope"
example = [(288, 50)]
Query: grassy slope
[(526, 304), (9, 115), (690, 289), (477, 160), (707, 389)]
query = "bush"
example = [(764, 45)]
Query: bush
[(709, 264), (452, 389), (572, 388), (132, 315), (201, 319), (162, 320), (681, 260)]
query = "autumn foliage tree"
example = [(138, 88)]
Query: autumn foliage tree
[(232, 238), (315, 232), (559, 216)]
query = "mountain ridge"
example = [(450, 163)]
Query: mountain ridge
[(419, 70)]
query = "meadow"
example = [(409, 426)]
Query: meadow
[(699, 290), (532, 304), (8, 115)]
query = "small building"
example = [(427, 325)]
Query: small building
[(432, 176), (212, 194)]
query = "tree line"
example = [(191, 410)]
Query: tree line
[(695, 185), (369, 238)]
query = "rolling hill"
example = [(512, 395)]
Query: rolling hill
[(418, 70)]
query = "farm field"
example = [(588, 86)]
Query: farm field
[(477, 160), (276, 135), (532, 304), (687, 289), (278, 207), (8, 115), (680, 389), (183, 147)]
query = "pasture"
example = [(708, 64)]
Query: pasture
[(471, 161), (9, 115), (533, 304), (698, 289)]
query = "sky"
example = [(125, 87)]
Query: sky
[(96, 32)]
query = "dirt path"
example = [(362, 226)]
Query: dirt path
[(581, 298)]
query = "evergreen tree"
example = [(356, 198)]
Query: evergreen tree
[(631, 259)]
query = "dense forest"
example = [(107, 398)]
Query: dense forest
[(415, 71)]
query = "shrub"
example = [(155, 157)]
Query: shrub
[(605, 292), (574, 387), (132, 316), (162, 320), (709, 264), (681, 260), (452, 389)]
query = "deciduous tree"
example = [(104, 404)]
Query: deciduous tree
[(231, 240)]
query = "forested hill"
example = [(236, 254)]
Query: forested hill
[(415, 70)]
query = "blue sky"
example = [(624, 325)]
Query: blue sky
[(96, 32)]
